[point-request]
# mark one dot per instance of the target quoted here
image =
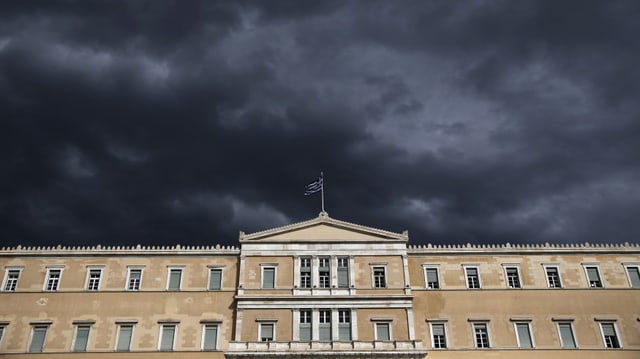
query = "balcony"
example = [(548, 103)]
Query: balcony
[(371, 349)]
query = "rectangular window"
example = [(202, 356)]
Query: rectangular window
[(267, 332), (38, 336), (305, 272), (634, 276), (53, 279), (523, 332), (473, 278), (513, 277), (567, 340), (124, 338), (609, 335), (210, 337), (175, 279), (383, 331), (344, 324), (324, 326), (305, 325), (167, 336), (82, 338), (553, 277), (268, 277), (11, 280), (481, 334), (324, 272), (215, 278), (379, 277), (432, 278), (134, 279), (93, 278), (593, 275), (438, 336), (343, 272), (2, 327)]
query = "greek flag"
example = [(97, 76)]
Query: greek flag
[(313, 187)]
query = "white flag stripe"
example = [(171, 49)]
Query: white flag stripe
[(313, 187)]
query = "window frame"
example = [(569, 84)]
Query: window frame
[(274, 267), (516, 323), (3, 331), (466, 268), (305, 320), (88, 281), (432, 334), (263, 323), (5, 281), (546, 268), (169, 270), (340, 269), (211, 269), (377, 326), (586, 267), (324, 272), (35, 326), (635, 266), (344, 321), (204, 332), (306, 275), (75, 337), (512, 266), (119, 333), (375, 266), (476, 325), (571, 331), (614, 326), (47, 278), (425, 269), (161, 336), (127, 285)]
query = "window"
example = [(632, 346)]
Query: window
[(53, 279), (175, 279), (125, 332), (383, 331), (305, 325), (513, 276), (38, 336), (267, 332), (481, 334), (473, 278), (553, 277), (379, 277), (343, 272), (93, 278), (324, 272), (438, 336), (268, 277), (209, 337), (324, 326), (523, 333), (344, 324), (305, 272), (431, 277), (11, 279), (593, 276), (134, 279), (634, 276), (82, 338), (215, 278), (609, 335), (2, 327), (167, 336), (567, 340)]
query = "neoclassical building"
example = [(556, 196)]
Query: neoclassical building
[(321, 288)]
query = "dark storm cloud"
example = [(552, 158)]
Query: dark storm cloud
[(162, 122)]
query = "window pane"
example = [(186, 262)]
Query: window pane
[(134, 279), (432, 278), (594, 277), (82, 338), (382, 331), (210, 337), (12, 280), (437, 333), (634, 276), (168, 332), (215, 279), (266, 332), (37, 341), (175, 276), (566, 335), (268, 278), (124, 338), (523, 335)]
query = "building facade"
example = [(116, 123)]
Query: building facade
[(321, 288)]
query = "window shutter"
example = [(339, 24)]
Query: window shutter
[(210, 336), (305, 332), (174, 279), (343, 277), (215, 279), (124, 339), (266, 331), (432, 275), (607, 329), (634, 275), (82, 338), (37, 342), (344, 331), (324, 332), (438, 329), (567, 336), (268, 278), (593, 274), (524, 335), (168, 332)]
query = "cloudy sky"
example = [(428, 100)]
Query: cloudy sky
[(165, 122)]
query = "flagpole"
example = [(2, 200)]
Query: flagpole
[(322, 190)]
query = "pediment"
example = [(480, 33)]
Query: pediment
[(323, 229)]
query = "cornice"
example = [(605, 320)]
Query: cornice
[(538, 248), (100, 250)]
